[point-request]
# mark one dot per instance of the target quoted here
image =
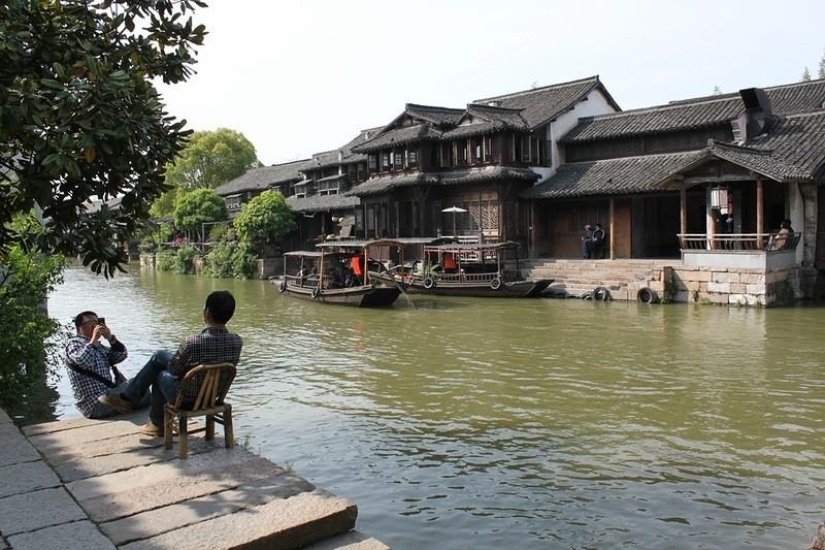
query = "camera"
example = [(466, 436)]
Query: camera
[(101, 320)]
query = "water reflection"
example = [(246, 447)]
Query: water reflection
[(528, 423)]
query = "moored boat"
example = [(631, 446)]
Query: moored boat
[(456, 269), (325, 276)]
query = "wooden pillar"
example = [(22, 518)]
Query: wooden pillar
[(760, 210), (531, 227), (612, 228), (683, 211)]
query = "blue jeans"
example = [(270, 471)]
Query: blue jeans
[(163, 383)]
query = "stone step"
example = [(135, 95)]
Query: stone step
[(142, 496)]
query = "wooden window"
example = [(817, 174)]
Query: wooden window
[(412, 158), (385, 161), (488, 149), (328, 187), (372, 162), (300, 190)]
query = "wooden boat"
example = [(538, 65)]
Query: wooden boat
[(321, 276), (456, 269)]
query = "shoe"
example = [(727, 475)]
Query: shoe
[(151, 429), (116, 402)]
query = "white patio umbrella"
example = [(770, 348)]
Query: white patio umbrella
[(454, 210)]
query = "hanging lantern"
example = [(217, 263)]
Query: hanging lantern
[(719, 199)]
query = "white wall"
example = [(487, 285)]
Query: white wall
[(596, 104)]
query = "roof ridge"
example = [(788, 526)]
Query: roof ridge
[(714, 143), (594, 79), (616, 159), (431, 107), (682, 103), (495, 107)]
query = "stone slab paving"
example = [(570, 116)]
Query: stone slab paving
[(97, 484)]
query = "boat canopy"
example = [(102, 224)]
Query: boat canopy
[(458, 247), (361, 244)]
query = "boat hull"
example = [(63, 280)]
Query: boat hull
[(452, 286), (360, 296)]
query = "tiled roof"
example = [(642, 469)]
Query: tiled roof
[(326, 203), (695, 113), (542, 105), (382, 184), (612, 177), (796, 147), (791, 149), (483, 119), (399, 136), (263, 178), (333, 158), (434, 115)]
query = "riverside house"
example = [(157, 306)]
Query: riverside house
[(697, 188), (705, 182)]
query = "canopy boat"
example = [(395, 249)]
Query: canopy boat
[(336, 274), (456, 269)]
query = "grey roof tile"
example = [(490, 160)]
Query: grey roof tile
[(695, 113), (382, 184), (326, 203), (623, 176), (263, 178), (541, 105)]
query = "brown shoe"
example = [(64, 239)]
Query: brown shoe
[(151, 429), (116, 402)]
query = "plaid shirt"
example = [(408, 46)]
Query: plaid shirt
[(99, 359), (212, 345)]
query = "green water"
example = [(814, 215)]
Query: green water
[(483, 423)]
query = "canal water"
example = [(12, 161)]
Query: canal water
[(531, 424)]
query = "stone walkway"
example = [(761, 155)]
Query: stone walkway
[(96, 484)]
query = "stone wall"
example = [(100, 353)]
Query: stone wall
[(745, 287)]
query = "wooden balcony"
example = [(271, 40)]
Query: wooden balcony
[(739, 250)]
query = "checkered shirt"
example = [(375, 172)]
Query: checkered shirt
[(98, 359), (212, 345)]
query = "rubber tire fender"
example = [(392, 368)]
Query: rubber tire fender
[(647, 296), (601, 294), (282, 287), (429, 282), (495, 284)]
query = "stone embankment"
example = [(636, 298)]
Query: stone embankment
[(96, 484)]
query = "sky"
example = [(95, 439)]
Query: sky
[(298, 78)]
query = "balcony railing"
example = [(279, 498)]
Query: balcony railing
[(768, 242)]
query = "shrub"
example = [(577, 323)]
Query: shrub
[(26, 331), (185, 260)]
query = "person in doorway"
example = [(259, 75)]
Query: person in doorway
[(163, 371), (598, 242), (587, 241), (91, 364)]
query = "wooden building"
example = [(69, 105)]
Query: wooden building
[(733, 164), (477, 159)]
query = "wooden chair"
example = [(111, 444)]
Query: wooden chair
[(209, 403)]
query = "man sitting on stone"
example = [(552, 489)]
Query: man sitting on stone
[(91, 363), (598, 242), (163, 371)]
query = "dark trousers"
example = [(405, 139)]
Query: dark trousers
[(164, 385)]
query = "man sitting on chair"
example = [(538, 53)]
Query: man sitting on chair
[(215, 344)]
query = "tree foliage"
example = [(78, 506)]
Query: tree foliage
[(26, 278), (265, 218), (211, 159), (806, 75), (822, 66), (80, 118), (197, 207)]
